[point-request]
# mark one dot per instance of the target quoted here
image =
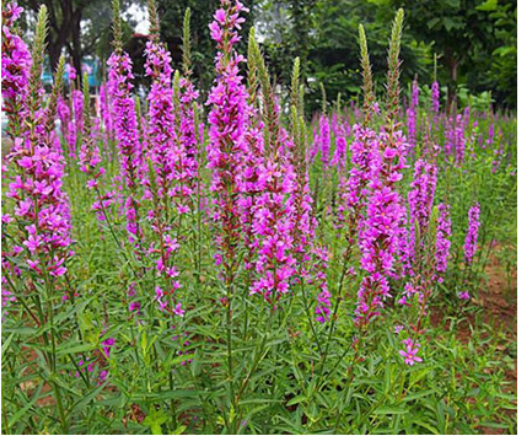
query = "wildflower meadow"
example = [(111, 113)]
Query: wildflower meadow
[(223, 262)]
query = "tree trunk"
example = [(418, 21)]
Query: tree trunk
[(54, 49), (452, 63)]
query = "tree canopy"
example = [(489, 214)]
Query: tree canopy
[(475, 41)]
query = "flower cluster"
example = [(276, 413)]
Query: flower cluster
[(227, 133), (127, 134), (16, 65), (353, 189), (379, 233), (41, 208), (89, 156), (186, 163), (273, 224), (323, 308), (421, 195), (324, 140), (339, 157), (435, 94), (249, 185), (443, 243), (412, 114), (471, 240)]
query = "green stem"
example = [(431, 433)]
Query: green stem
[(309, 316), (61, 411), (229, 342)]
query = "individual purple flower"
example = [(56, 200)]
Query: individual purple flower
[(273, 225), (89, 156), (107, 346), (186, 142), (249, 182), (71, 71), (410, 352), (464, 295), (135, 306), (106, 115), (490, 138), (76, 125)]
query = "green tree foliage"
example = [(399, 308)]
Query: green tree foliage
[(171, 14), (475, 41), (78, 28), (329, 52), (65, 19), (503, 72)]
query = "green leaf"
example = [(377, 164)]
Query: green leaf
[(89, 397), (70, 348), (427, 426), (155, 419), (432, 23), (180, 429), (297, 400), (385, 410), (22, 412), (488, 6)]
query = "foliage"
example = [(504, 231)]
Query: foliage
[(245, 270), (471, 38)]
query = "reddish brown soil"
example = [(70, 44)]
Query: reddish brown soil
[(497, 299)]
